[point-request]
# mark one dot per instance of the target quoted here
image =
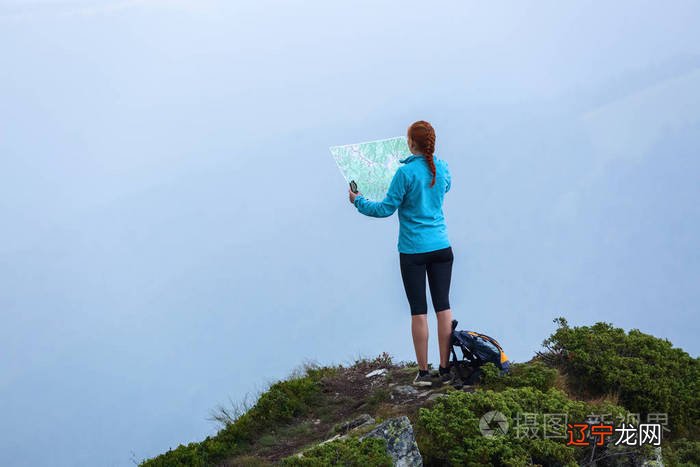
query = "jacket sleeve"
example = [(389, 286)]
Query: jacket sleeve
[(448, 177), (393, 199)]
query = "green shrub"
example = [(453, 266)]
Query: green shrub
[(282, 402), (682, 453), (449, 431), (346, 452), (200, 454), (648, 373), (535, 374)]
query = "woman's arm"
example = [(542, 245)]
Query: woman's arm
[(448, 177), (393, 199)]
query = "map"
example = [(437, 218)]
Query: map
[(372, 164)]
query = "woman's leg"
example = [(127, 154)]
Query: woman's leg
[(419, 329), (444, 318), (439, 271), (413, 275)]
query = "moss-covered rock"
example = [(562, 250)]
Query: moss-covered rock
[(400, 441)]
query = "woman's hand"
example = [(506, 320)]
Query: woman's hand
[(352, 196)]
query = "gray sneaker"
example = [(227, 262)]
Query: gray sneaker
[(423, 380), (446, 378)]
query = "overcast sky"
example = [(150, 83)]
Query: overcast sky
[(175, 233)]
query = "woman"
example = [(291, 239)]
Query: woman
[(417, 191)]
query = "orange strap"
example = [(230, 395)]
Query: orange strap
[(490, 339)]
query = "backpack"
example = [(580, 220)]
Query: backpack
[(477, 349)]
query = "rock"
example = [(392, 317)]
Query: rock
[(405, 390), (436, 396), (379, 372), (400, 441), (655, 460), (423, 393), (364, 419)]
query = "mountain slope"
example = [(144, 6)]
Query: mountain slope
[(319, 415)]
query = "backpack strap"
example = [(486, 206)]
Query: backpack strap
[(488, 338), (454, 355), (504, 357), (456, 341)]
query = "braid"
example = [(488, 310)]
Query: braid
[(428, 150), (431, 164), (423, 134)]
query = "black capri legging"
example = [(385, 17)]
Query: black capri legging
[(438, 266)]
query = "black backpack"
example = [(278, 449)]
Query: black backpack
[(477, 349)]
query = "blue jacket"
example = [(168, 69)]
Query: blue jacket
[(421, 221)]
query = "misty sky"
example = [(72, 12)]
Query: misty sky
[(174, 232)]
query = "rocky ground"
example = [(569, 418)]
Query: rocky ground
[(370, 398)]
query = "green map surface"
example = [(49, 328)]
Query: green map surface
[(372, 164)]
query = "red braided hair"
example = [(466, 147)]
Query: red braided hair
[(423, 135)]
